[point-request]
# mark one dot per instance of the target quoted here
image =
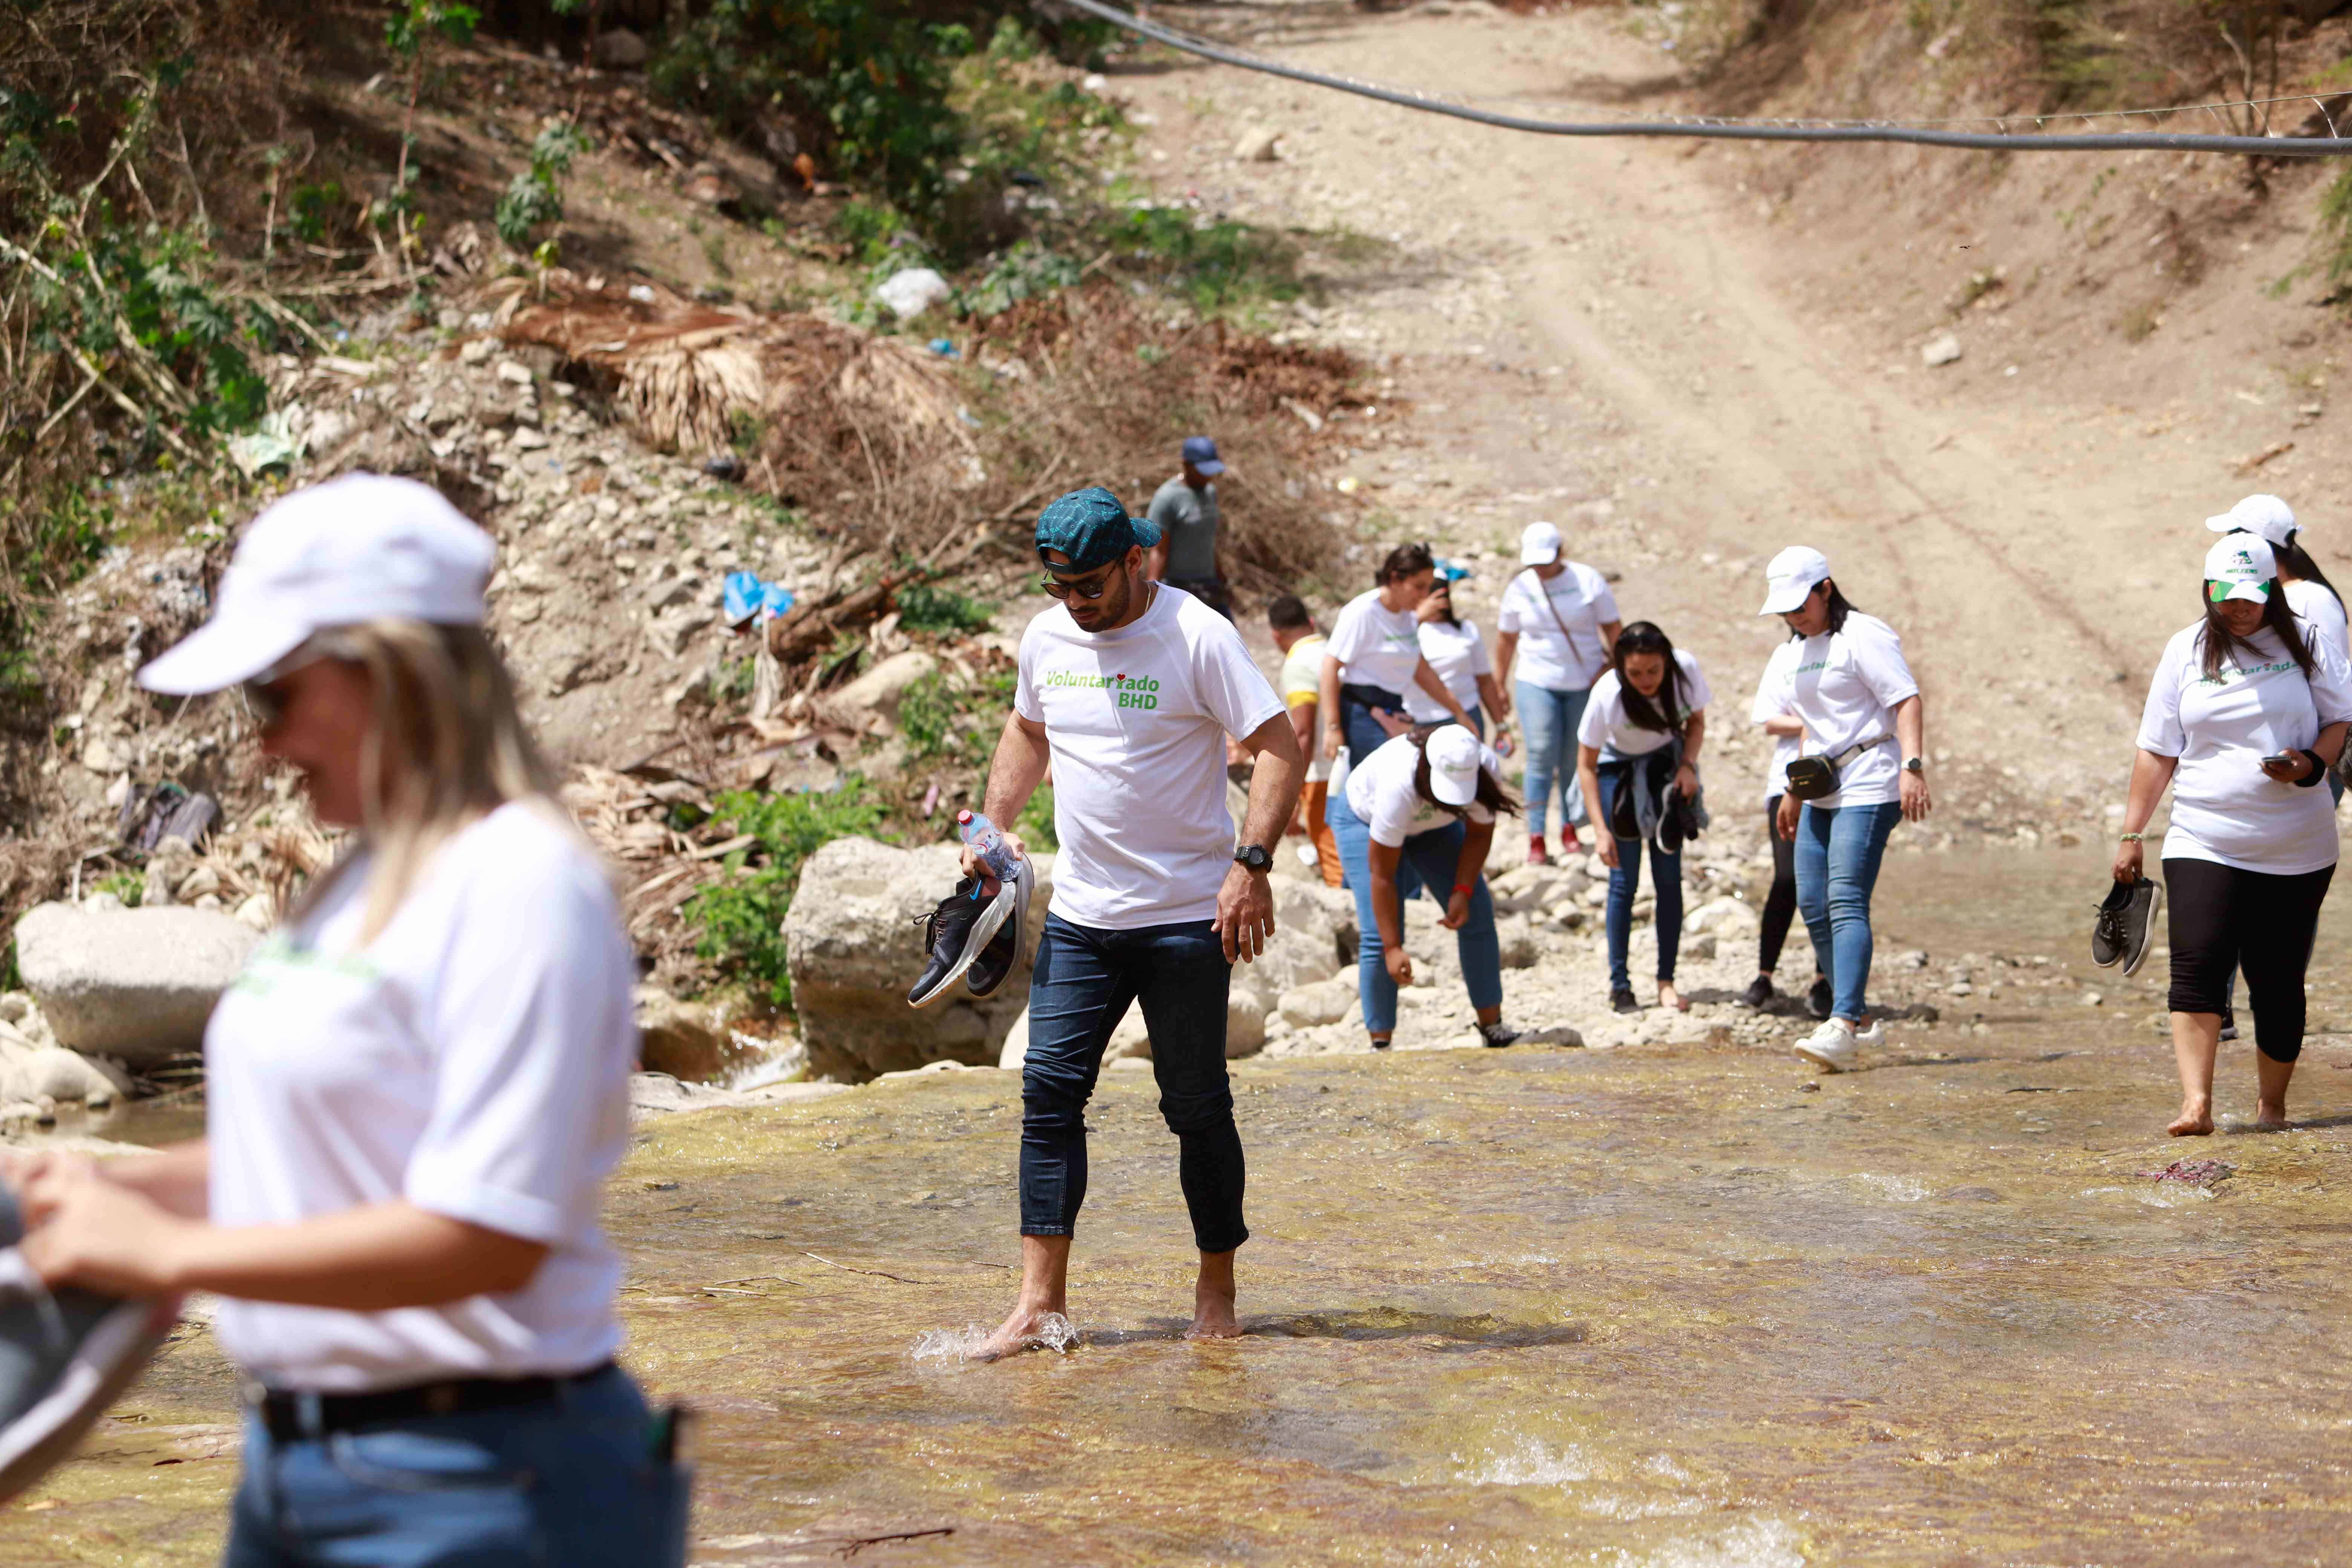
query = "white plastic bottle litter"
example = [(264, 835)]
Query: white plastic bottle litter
[(974, 829)]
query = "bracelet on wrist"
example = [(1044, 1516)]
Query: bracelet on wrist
[(2134, 839)]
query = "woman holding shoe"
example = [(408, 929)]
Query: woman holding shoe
[(1843, 690), (415, 1092), (2245, 716), (1637, 758)]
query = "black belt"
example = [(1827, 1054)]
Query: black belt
[(282, 1412), (1364, 696)]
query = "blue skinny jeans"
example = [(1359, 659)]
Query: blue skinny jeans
[(1625, 885), (1838, 852), (1425, 860), (1086, 980), (1548, 720), (572, 1482)]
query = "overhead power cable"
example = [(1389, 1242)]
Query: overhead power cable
[(1719, 128)]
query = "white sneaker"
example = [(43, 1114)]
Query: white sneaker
[(1874, 1036), (1832, 1047)]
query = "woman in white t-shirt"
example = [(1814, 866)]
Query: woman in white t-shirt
[(1419, 812), (1637, 758), (2244, 716), (1457, 653), (1842, 689), (1374, 657), (415, 1092), (1552, 639)]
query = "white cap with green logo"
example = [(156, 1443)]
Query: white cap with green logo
[(2239, 566)]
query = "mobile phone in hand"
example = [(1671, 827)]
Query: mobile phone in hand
[(2280, 758)]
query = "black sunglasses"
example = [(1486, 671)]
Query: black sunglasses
[(1062, 587)]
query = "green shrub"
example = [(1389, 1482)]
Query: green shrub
[(535, 195), (925, 608), (128, 886), (928, 712), (741, 919), (1215, 264)]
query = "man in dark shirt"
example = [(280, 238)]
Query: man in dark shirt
[(1185, 508)]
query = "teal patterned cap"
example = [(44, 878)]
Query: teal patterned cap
[(1092, 528)]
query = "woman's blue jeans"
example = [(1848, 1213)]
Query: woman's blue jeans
[(1548, 720), (572, 1482), (1426, 859), (1625, 885), (1838, 852)]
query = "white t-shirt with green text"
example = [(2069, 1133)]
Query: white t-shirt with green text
[(1136, 720), (2224, 807)]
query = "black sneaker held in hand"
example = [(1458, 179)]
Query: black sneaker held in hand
[(1004, 950), (64, 1358), (955, 934), (2126, 920)]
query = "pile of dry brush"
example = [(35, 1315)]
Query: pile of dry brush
[(895, 452)]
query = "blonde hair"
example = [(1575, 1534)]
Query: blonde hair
[(445, 747)]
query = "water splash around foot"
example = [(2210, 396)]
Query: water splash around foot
[(1054, 1332)]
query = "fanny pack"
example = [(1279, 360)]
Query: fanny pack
[(1810, 778)]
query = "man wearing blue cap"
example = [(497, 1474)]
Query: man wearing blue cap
[(1130, 687), (1184, 510)]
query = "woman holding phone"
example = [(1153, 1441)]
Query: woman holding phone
[(2245, 716), (415, 1092)]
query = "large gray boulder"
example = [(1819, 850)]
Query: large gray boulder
[(137, 985), (853, 948)]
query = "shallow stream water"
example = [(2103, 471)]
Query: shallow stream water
[(1666, 1305)]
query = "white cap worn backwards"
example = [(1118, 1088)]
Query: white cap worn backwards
[(1538, 544), (2266, 515), (1790, 577), (360, 548), (2244, 562), (1452, 754)]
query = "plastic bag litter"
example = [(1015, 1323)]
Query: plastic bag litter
[(911, 290)]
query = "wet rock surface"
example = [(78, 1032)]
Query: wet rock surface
[(1669, 1302)]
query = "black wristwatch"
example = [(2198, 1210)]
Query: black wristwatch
[(1914, 765), (1253, 858)]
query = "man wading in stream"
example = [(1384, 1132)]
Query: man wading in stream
[(1130, 687)]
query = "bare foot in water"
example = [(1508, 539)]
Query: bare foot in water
[(1212, 1299), (1670, 998), (2270, 1116), (1028, 1328), (2195, 1121)]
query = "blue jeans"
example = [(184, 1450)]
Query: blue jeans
[(1085, 981), (572, 1482), (1426, 859), (1838, 852), (1548, 720), (1625, 883)]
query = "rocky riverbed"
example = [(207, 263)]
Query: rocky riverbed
[(1673, 1302)]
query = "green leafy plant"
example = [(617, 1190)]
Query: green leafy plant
[(740, 921), (1216, 264), (926, 608), (1027, 271), (927, 714), (128, 886), (409, 33), (534, 197)]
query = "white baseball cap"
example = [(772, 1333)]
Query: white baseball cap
[(360, 548), (2266, 515), (2244, 562), (1538, 544), (1790, 577), (1453, 758)]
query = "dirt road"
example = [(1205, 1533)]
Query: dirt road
[(1620, 336)]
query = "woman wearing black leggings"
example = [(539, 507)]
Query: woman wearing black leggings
[(2243, 720), (1780, 903)]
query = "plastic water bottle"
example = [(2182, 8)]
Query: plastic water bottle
[(975, 829)]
